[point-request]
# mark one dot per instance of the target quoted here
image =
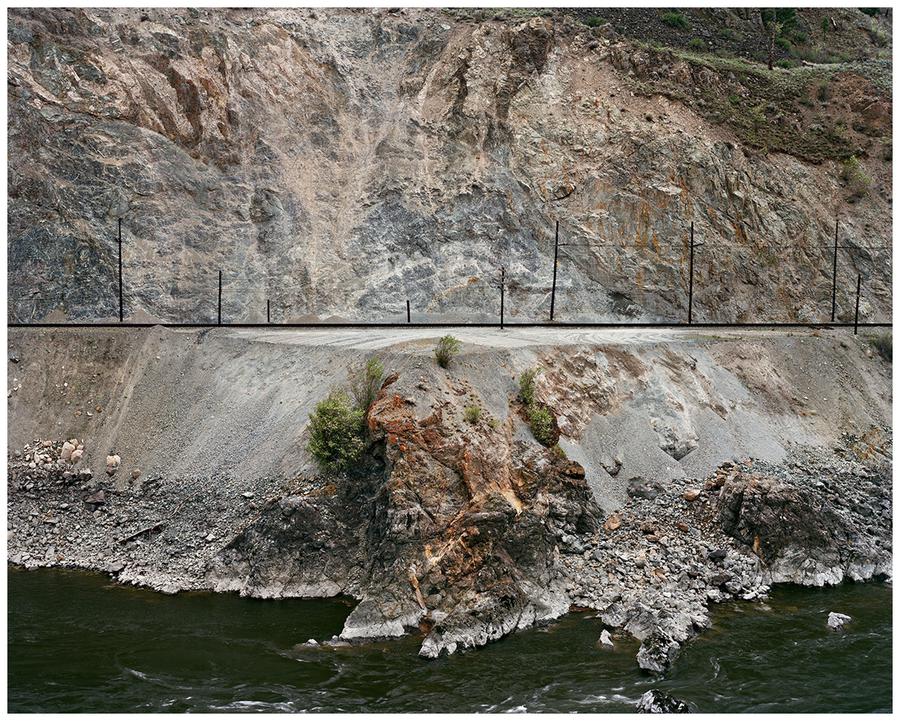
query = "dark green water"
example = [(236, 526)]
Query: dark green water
[(80, 643)]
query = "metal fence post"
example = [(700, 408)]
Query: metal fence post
[(268, 311), (502, 290), (555, 259), (121, 305), (220, 298), (856, 315), (408, 315), (691, 278), (834, 272)]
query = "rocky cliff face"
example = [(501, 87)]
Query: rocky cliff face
[(340, 162)]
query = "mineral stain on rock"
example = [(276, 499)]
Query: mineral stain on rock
[(456, 529), (337, 162)]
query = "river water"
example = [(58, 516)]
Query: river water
[(78, 642)]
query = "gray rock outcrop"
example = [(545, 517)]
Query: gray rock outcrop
[(338, 162)]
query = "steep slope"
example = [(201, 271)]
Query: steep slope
[(340, 162), (690, 469)]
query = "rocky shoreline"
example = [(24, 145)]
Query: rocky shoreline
[(650, 569)]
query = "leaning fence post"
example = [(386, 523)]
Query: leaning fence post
[(220, 298), (555, 260), (856, 315), (834, 272), (691, 278)]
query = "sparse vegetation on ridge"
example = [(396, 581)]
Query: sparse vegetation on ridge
[(884, 344), (446, 349), (855, 176), (337, 433), (675, 20), (540, 417), (526, 385), (337, 425), (366, 382)]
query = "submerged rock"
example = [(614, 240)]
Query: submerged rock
[(836, 621), (656, 701)]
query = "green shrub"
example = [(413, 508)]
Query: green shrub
[(472, 414), (884, 344), (697, 44), (447, 347), (559, 452), (858, 181), (337, 433), (540, 419), (871, 12), (826, 25), (675, 20), (526, 385), (366, 382), (784, 44), (594, 21)]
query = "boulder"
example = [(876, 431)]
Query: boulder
[(67, 449), (639, 487), (112, 464), (836, 621), (95, 500), (656, 701)]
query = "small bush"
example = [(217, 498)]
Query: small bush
[(337, 433), (884, 344), (559, 452), (594, 21), (526, 385), (871, 12), (494, 423), (675, 20), (366, 382), (472, 414), (540, 419), (858, 181), (446, 349), (697, 44), (784, 44)]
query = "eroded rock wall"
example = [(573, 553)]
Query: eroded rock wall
[(340, 162)]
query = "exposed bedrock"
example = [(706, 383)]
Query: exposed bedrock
[(691, 469), (338, 162)]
